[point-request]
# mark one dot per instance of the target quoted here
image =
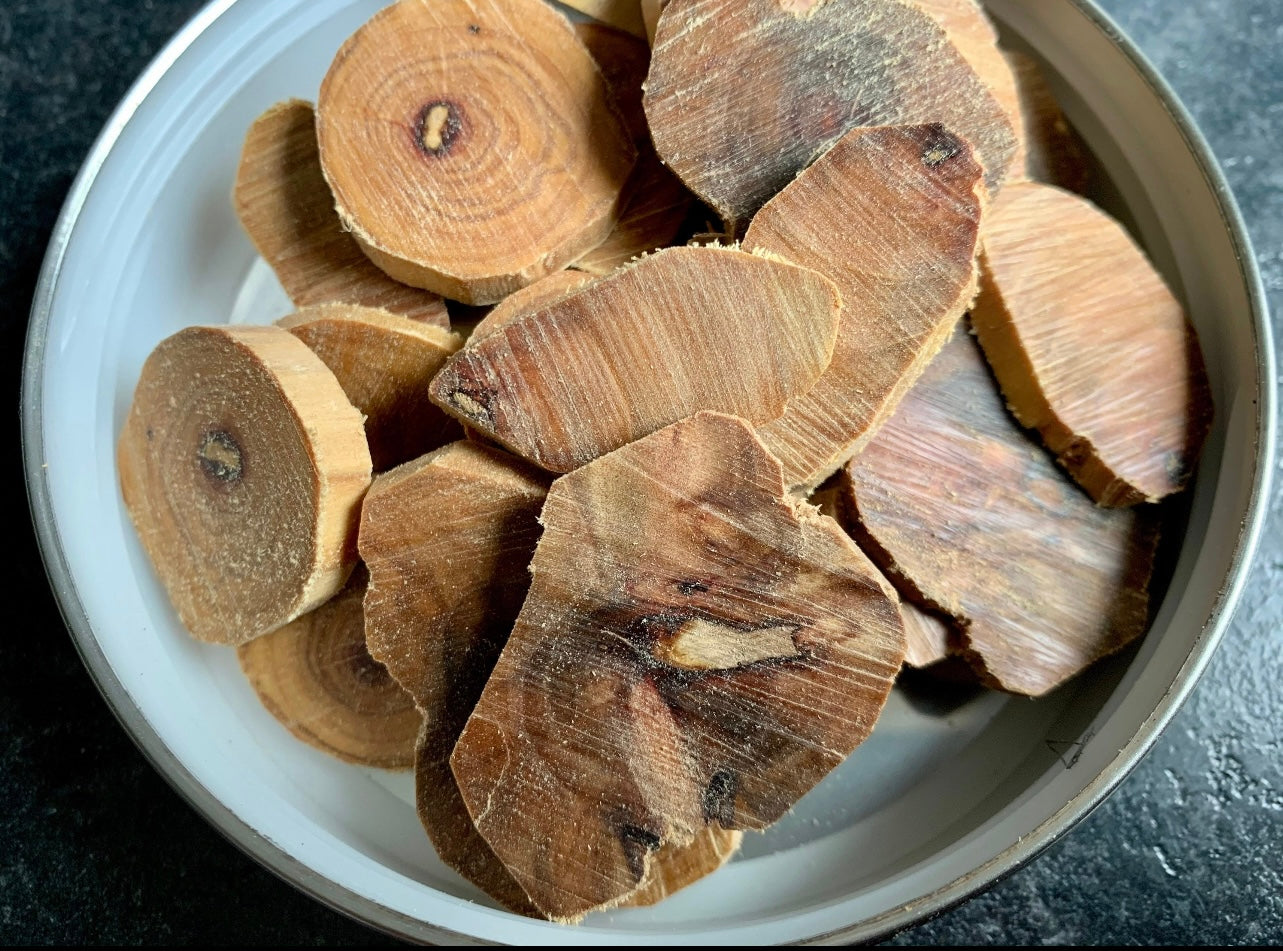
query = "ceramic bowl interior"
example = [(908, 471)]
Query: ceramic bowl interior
[(953, 788)]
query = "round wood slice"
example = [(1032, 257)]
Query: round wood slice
[(317, 678), (744, 94), (1090, 346), (242, 465), (471, 145), (973, 519), (697, 650), (384, 363)]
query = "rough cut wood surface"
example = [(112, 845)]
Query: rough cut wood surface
[(286, 208), (1090, 346), (680, 331), (471, 145), (384, 363), (448, 539), (697, 649), (971, 517), (538, 295), (242, 465), (317, 678), (1053, 151), (892, 215), (621, 14), (744, 94)]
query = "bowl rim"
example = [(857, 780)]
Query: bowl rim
[(370, 912)]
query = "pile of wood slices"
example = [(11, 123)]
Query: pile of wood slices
[(585, 593)]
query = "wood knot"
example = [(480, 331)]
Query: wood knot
[(220, 456), (940, 146), (438, 127)]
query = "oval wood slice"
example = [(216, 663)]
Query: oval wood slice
[(1090, 346), (384, 363), (242, 465), (1054, 153), (681, 330), (744, 94), (540, 294), (697, 650), (471, 145), (972, 518), (892, 215), (317, 678), (286, 208)]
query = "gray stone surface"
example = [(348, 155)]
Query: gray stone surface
[(95, 847)]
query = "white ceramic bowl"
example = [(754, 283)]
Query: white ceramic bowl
[(942, 799)]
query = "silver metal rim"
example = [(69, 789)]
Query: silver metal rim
[(379, 916)]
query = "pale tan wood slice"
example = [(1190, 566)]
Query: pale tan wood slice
[(1090, 346), (744, 94), (1054, 152), (472, 145), (679, 331), (448, 539), (384, 362), (538, 295), (621, 14), (286, 208), (623, 60), (317, 678), (654, 212), (973, 519), (242, 465), (697, 650), (892, 215)]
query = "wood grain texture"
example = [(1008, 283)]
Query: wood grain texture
[(543, 292), (317, 678), (682, 330), (1054, 153), (286, 208), (697, 650), (472, 145), (744, 94), (242, 465), (973, 519), (893, 216), (448, 539), (384, 363), (1090, 346)]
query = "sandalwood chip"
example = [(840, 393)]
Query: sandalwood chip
[(697, 650), (384, 363), (447, 540), (1090, 346), (540, 294), (682, 330), (972, 518), (744, 94), (317, 678), (892, 215), (471, 145), (242, 465), (286, 208)]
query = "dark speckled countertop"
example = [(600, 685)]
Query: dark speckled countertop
[(95, 847)]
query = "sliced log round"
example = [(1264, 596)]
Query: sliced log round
[(472, 147), (317, 678), (242, 465)]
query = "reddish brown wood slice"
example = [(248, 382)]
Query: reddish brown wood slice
[(286, 208), (892, 215), (471, 145), (384, 362), (973, 519), (317, 678), (682, 330), (744, 94), (242, 465), (697, 650), (1091, 347)]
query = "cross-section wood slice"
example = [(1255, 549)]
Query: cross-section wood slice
[(286, 208), (623, 59), (744, 94), (621, 14), (970, 517), (654, 211), (472, 145), (384, 363), (682, 330), (317, 678), (540, 294), (1090, 346), (242, 465), (892, 215), (697, 650), (448, 539), (1054, 153)]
